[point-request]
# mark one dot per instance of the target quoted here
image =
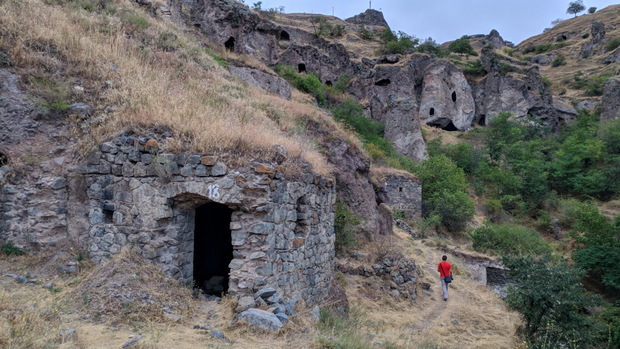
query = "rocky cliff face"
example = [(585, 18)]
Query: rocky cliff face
[(369, 17)]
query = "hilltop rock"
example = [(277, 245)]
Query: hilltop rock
[(495, 39), (597, 38), (262, 80), (610, 104), (369, 17), (446, 100)]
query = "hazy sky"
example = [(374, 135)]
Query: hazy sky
[(446, 20)]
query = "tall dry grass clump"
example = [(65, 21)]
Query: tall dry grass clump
[(148, 74)]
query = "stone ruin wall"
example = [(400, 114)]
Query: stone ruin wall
[(405, 195), (282, 230)]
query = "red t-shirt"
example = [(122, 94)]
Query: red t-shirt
[(444, 267)]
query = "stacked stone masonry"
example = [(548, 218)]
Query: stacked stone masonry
[(405, 195)]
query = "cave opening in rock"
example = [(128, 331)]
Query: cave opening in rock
[(383, 82), (301, 68), (213, 249), (454, 96), (4, 160), (328, 83), (483, 120), (230, 44), (285, 36), (431, 112), (449, 127)]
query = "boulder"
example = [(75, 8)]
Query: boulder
[(610, 103), (587, 104), (260, 319), (495, 39), (541, 60), (446, 99), (369, 17), (262, 80), (564, 110), (597, 38), (613, 57)]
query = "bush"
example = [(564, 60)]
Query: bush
[(9, 249), (612, 44), (558, 61), (344, 225), (592, 9), (462, 46), (552, 301), (365, 34), (327, 29), (474, 68), (431, 47), (506, 68), (508, 239)]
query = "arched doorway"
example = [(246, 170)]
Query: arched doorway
[(230, 44), (213, 248)]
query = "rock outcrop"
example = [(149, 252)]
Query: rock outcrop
[(262, 80), (597, 38), (369, 17), (446, 99), (610, 104)]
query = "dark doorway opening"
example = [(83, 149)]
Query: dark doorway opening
[(449, 127), (431, 112), (4, 160), (301, 68), (328, 83), (284, 36), (454, 96), (213, 249), (483, 120), (230, 44)]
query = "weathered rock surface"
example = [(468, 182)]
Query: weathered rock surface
[(597, 38), (262, 80), (16, 111), (495, 39), (610, 104), (613, 57), (260, 319), (369, 17), (446, 99), (564, 110)]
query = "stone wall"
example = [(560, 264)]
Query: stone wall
[(405, 194), (282, 230)]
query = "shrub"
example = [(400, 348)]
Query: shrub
[(134, 22), (54, 95), (612, 44), (9, 249), (365, 34), (217, 58), (592, 9), (327, 29), (506, 68), (558, 61), (462, 46), (344, 225), (432, 48), (505, 239), (474, 68)]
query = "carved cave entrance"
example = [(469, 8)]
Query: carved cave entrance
[(230, 44), (4, 160), (213, 248)]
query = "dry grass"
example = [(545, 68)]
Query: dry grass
[(181, 89)]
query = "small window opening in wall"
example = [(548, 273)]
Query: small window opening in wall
[(454, 96), (284, 36), (230, 44), (400, 189), (383, 82), (108, 216), (301, 68), (328, 83), (4, 160), (432, 112), (529, 88), (483, 120)]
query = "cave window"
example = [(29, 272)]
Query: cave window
[(4, 160), (483, 120), (454, 96), (432, 112), (284, 36), (400, 189), (301, 67), (383, 82), (564, 37), (213, 250), (529, 88), (449, 127), (230, 44), (108, 216), (328, 83)]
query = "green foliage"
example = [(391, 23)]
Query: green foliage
[(592, 9), (508, 239), (542, 48), (344, 224), (612, 44), (217, 58), (365, 34), (474, 68), (388, 36), (257, 6), (575, 7), (508, 51), (558, 61), (400, 44), (506, 68), (9, 249), (593, 85), (551, 300), (54, 95), (327, 29), (343, 82), (133, 21), (340, 332), (462, 46), (431, 47), (611, 318), (444, 192)]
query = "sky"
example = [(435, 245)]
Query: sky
[(446, 20)]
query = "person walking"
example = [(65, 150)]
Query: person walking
[(445, 269)]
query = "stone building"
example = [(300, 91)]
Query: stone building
[(404, 193), (199, 220)]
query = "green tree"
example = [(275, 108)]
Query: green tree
[(462, 46), (550, 297), (575, 7), (444, 191), (432, 48), (592, 9)]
